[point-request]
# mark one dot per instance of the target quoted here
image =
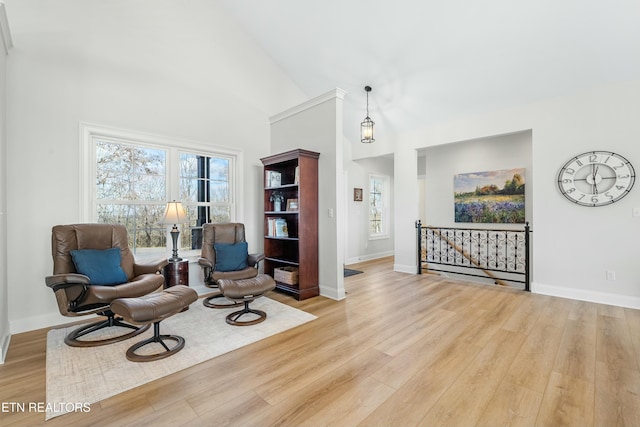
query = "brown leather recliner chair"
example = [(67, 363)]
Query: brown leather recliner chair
[(75, 293), (225, 233)]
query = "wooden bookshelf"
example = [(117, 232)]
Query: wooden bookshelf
[(294, 175)]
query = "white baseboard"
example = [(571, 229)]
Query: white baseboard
[(368, 257), (413, 269), (331, 294), (42, 321), (5, 340), (583, 295), (56, 319)]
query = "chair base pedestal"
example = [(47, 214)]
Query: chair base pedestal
[(232, 318), (156, 338), (73, 341), (209, 302)]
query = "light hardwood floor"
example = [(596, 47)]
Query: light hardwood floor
[(400, 350)]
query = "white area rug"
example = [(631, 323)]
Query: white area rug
[(77, 376)]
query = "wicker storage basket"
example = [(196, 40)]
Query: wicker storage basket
[(288, 275)]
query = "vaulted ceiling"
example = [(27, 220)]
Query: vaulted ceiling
[(431, 61)]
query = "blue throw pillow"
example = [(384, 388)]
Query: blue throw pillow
[(231, 256), (101, 266)]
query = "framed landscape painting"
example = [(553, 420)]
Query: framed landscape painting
[(490, 197)]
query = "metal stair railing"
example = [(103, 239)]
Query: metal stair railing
[(503, 256)]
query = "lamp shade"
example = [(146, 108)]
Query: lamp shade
[(174, 214)]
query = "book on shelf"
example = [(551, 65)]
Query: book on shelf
[(272, 179), (281, 228), (277, 227), (296, 176)]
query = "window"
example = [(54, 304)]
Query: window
[(130, 177), (205, 193), (131, 190), (378, 206)]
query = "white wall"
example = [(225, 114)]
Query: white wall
[(177, 69), (316, 125), (442, 162), (405, 208), (358, 246), (5, 45), (573, 246)]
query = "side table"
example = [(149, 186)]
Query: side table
[(176, 273)]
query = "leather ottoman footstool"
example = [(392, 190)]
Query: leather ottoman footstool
[(153, 308), (246, 290)]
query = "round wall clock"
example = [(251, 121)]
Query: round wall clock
[(596, 178)]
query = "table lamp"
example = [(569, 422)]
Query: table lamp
[(174, 214)]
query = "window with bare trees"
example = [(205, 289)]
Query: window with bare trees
[(134, 179)]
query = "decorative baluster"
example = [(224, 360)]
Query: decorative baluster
[(527, 258), (419, 237)]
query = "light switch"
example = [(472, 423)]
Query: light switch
[(636, 212)]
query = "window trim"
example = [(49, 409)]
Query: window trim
[(87, 171), (385, 222)]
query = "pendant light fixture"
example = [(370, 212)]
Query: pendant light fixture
[(366, 127)]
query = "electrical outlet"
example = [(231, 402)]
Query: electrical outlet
[(611, 275)]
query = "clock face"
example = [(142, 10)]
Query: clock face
[(596, 178)]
